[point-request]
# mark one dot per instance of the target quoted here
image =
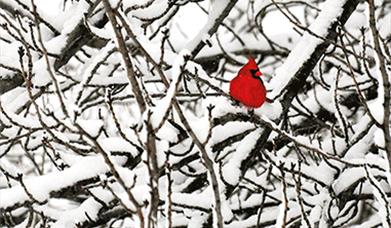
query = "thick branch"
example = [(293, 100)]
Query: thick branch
[(297, 82)]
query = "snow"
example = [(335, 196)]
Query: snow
[(257, 44), (113, 3), (226, 211), (48, 15), (203, 200), (270, 110), (90, 70), (154, 10), (331, 10), (117, 144), (281, 220), (92, 127), (352, 175), (8, 57), (384, 30), (379, 138), (27, 122), (168, 133), (70, 218), (222, 106), (197, 220), (41, 74), (217, 9), (379, 194), (65, 22), (41, 187), (315, 214), (56, 44), (73, 15), (200, 125), (372, 221), (193, 201), (231, 128), (362, 147), (231, 171), (376, 107), (10, 168), (160, 111), (103, 33), (162, 146)]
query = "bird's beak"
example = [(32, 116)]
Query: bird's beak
[(258, 73)]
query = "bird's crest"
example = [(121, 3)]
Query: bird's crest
[(251, 67)]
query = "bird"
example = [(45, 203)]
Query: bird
[(247, 87)]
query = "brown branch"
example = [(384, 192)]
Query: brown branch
[(77, 38), (297, 82), (215, 26), (385, 78)]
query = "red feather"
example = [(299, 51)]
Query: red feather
[(247, 87)]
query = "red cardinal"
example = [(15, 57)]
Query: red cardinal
[(248, 87)]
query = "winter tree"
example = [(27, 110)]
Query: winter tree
[(117, 113)]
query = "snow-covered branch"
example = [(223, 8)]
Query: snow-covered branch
[(119, 114)]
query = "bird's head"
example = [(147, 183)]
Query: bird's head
[(250, 69)]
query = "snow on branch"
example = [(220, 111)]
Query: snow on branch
[(118, 113), (308, 44), (220, 10), (42, 187)]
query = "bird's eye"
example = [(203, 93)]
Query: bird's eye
[(254, 72)]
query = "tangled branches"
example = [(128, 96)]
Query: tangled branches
[(117, 114)]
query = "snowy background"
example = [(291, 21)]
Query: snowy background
[(117, 114)]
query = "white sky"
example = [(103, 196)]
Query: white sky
[(274, 23)]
